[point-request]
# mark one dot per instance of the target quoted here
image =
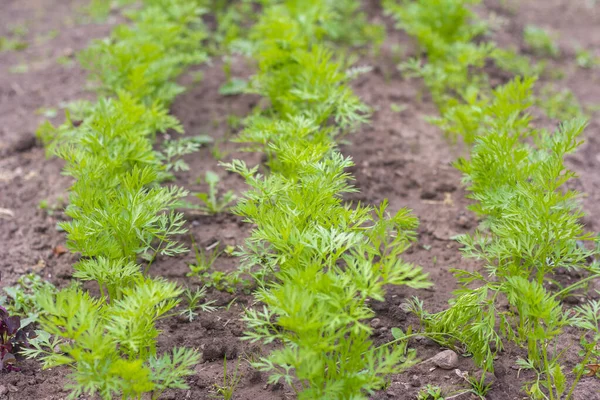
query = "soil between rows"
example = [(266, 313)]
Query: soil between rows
[(399, 156)]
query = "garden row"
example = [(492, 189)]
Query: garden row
[(530, 224), (119, 211)]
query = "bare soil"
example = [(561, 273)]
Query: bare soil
[(399, 156)]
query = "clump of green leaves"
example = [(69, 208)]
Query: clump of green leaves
[(540, 41), (530, 226), (145, 57), (560, 104), (430, 392), (111, 347), (445, 30), (20, 299), (324, 264)]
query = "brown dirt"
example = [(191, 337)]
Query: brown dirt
[(398, 156)]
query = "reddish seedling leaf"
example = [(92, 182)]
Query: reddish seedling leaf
[(593, 369), (59, 250)]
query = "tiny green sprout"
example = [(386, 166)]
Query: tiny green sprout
[(19, 69), (233, 121), (194, 301), (46, 112), (197, 76), (11, 44), (540, 41), (479, 386), (204, 259), (45, 37), (217, 153), (174, 151), (585, 58), (233, 86), (43, 204), (398, 52), (213, 204), (560, 104), (398, 108), (430, 392), (65, 61), (230, 382), (19, 30), (203, 270), (229, 250)]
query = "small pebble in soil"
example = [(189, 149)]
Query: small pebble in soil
[(464, 222), (445, 187), (255, 376), (375, 323), (415, 381), (428, 194), (571, 300), (24, 143), (399, 314), (447, 359)]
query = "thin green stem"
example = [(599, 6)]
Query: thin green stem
[(548, 374), (580, 373), (576, 284)]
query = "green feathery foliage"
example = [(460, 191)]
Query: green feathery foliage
[(317, 260), (447, 31), (112, 346), (119, 211), (530, 226)]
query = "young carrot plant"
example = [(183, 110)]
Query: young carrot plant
[(530, 226), (317, 260), (111, 347)]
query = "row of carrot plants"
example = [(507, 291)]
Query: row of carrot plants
[(530, 222), (118, 210), (318, 261)]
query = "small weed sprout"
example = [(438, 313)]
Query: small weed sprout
[(586, 59), (203, 270), (430, 392), (540, 41), (205, 258), (213, 204), (230, 382), (194, 301)]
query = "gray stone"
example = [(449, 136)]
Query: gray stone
[(447, 359)]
